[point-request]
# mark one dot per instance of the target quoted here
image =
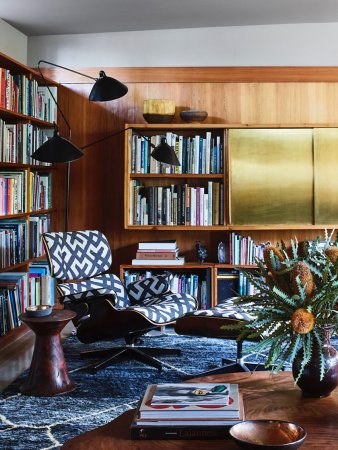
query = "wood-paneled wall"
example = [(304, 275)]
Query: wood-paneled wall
[(248, 96)]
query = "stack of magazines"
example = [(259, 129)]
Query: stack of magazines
[(187, 411)]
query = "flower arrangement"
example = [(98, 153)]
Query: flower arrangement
[(296, 300)]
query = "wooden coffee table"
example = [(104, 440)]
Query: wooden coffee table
[(48, 374), (266, 396)]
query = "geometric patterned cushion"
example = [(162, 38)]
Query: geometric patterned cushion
[(77, 254), (147, 288), (226, 310), (166, 308), (100, 285)]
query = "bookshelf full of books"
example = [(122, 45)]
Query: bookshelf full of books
[(27, 113), (189, 195), (163, 257)]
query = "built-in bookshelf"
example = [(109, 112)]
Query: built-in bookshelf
[(189, 195), (27, 113), (195, 279)]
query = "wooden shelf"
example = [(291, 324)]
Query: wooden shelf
[(12, 117), (177, 175)]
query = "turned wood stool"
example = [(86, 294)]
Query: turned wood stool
[(48, 374)]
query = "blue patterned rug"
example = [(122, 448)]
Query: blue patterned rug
[(47, 422)]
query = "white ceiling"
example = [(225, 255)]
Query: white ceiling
[(48, 17)]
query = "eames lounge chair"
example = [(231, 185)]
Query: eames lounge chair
[(106, 310)]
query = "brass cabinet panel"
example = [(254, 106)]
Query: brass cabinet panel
[(326, 177), (271, 176)]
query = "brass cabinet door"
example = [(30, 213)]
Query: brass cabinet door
[(271, 176), (326, 175)]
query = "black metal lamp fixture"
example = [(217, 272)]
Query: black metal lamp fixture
[(59, 150), (104, 89), (165, 154), (162, 152)]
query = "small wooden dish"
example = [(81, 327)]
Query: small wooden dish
[(193, 115), (268, 435), (39, 310)]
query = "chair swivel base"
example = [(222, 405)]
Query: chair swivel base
[(230, 366), (115, 354)]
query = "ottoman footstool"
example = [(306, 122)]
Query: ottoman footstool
[(208, 323)]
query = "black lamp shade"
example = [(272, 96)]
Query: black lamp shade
[(57, 150), (165, 154), (107, 88)]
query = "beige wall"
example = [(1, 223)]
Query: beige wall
[(12, 42)]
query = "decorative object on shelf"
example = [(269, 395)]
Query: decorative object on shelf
[(159, 111), (221, 253), (201, 251), (297, 298), (193, 115), (58, 149), (39, 310), (267, 434)]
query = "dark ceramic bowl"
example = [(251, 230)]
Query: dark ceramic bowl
[(159, 118), (39, 310), (268, 435), (193, 115)]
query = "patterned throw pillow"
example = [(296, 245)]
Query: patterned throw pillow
[(150, 287)]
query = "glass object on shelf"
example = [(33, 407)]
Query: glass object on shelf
[(201, 252), (221, 253)]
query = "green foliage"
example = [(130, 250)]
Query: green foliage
[(282, 291)]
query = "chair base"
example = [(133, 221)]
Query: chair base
[(115, 354), (231, 365)]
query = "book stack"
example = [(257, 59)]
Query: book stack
[(187, 411), (163, 253)]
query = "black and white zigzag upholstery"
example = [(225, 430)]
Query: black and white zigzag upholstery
[(226, 310), (150, 287), (77, 254), (79, 260), (165, 309), (106, 284)]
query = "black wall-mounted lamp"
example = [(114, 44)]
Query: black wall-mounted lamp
[(58, 149), (104, 89)]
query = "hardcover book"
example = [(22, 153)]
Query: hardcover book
[(165, 245), (190, 401), (184, 429)]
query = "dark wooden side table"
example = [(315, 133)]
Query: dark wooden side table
[(48, 374)]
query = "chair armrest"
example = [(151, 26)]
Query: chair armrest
[(99, 286)]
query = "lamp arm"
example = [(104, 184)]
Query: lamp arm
[(114, 134), (57, 105), (65, 68)]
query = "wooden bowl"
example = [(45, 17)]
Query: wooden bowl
[(39, 310), (159, 118), (268, 435), (193, 115)]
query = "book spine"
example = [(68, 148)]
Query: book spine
[(185, 432)]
